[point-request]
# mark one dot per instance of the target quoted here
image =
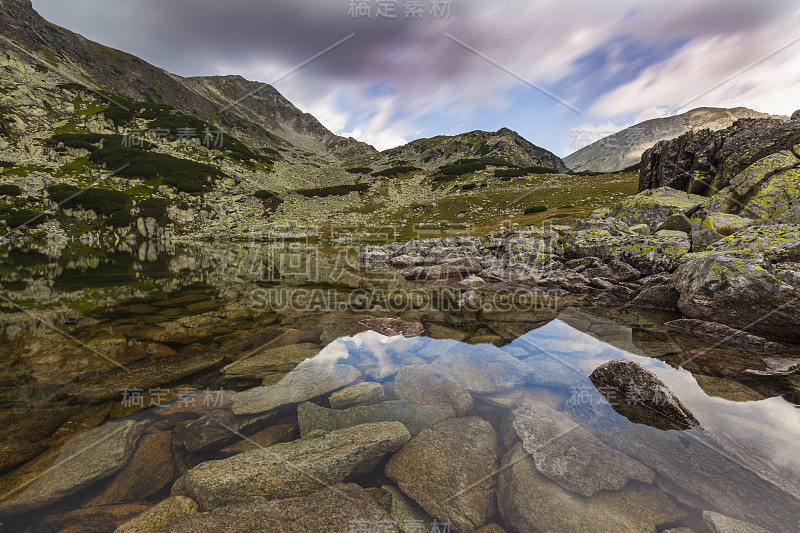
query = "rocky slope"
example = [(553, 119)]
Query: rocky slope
[(749, 169), (442, 150), (264, 116), (624, 149)]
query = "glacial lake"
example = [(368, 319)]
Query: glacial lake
[(168, 335)]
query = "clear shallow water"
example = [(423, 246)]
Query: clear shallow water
[(56, 384)]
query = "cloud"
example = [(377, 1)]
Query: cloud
[(615, 59)]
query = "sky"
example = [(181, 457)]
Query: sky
[(559, 72)]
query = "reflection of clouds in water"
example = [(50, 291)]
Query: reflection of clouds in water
[(373, 346)]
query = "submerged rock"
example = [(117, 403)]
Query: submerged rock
[(571, 456), (294, 468), (219, 429), (392, 327), (82, 461), (421, 385), (273, 361), (449, 470), (483, 369), (724, 334), (337, 509), (724, 524), (302, 384), (313, 418), (529, 502), (365, 393), (644, 398), (163, 513)]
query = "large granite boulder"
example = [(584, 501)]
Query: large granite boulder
[(280, 360), (449, 470), (748, 281), (293, 468), (158, 516)]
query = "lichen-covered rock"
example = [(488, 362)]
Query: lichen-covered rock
[(727, 224), (293, 468), (648, 254), (654, 207)]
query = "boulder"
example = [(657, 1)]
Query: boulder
[(647, 254), (302, 384), (529, 502), (312, 418), (724, 334), (163, 513), (483, 369), (473, 282), (294, 468), (727, 224), (420, 385), (365, 393), (570, 455), (337, 509), (654, 207), (273, 361), (703, 235), (81, 462), (676, 222), (449, 470), (644, 398), (735, 282)]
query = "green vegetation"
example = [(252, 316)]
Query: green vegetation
[(87, 141), (540, 170), (393, 172), (153, 208), (359, 170), (15, 218), (468, 187), (494, 161), (104, 202), (73, 87), (510, 173), (182, 174), (10, 190), (337, 190), (535, 209), (6, 164), (459, 169)]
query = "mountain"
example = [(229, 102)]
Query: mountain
[(253, 110), (442, 150), (624, 148)]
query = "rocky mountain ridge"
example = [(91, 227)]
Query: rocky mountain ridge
[(624, 149)]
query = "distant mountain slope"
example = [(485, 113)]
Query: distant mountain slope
[(442, 150), (250, 109), (625, 148)]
